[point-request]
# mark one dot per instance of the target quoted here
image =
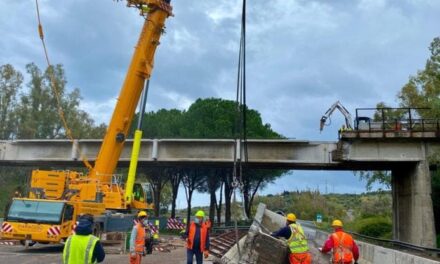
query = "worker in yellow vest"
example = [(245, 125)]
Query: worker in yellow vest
[(296, 241), (82, 247)]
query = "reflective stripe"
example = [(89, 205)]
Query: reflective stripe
[(67, 252), (89, 246)]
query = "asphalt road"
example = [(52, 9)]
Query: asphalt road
[(51, 254)]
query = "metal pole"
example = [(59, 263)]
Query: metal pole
[(237, 240)]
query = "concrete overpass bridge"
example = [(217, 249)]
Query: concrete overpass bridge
[(406, 157)]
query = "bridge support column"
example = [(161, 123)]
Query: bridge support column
[(413, 216)]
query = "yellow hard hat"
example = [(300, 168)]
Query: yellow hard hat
[(142, 214), (291, 217), (200, 213), (337, 223)]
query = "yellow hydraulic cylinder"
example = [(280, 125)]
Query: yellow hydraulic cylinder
[(133, 166)]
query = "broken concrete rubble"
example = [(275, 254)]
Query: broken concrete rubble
[(258, 247)]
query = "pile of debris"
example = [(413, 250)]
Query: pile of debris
[(116, 243), (221, 244), (258, 246)]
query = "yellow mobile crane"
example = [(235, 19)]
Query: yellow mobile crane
[(56, 198)]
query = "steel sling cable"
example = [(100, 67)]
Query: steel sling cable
[(51, 71), (240, 122)]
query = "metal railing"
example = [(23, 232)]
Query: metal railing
[(395, 244), (394, 120)]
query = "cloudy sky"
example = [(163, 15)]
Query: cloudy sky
[(303, 55)]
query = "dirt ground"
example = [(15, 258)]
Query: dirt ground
[(51, 254)]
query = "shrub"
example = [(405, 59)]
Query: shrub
[(380, 227)]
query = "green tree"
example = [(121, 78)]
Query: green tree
[(38, 112), (166, 198), (33, 113), (10, 83), (216, 118), (372, 177), (161, 124), (175, 178), (158, 180), (423, 91), (210, 185), (254, 180), (192, 179)]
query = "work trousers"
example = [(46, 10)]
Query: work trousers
[(137, 259), (300, 258), (190, 256)]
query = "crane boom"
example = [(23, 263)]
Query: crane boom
[(57, 198), (329, 112), (139, 70)]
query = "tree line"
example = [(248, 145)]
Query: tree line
[(30, 111)]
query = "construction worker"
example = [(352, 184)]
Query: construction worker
[(197, 239), (341, 130), (137, 238), (296, 241), (83, 247), (344, 248)]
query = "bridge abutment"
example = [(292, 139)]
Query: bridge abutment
[(413, 216)]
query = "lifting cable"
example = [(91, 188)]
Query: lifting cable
[(240, 130), (240, 134), (51, 71)]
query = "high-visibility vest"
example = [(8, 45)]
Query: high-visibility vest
[(139, 242), (297, 241), (79, 249), (342, 247), (192, 234)]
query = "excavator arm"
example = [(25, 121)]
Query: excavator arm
[(329, 112)]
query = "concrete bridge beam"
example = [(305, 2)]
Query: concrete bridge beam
[(413, 216)]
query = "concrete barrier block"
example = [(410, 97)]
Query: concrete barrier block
[(383, 255), (405, 258), (366, 252)]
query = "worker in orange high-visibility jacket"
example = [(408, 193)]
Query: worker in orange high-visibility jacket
[(197, 239), (137, 238), (345, 250)]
